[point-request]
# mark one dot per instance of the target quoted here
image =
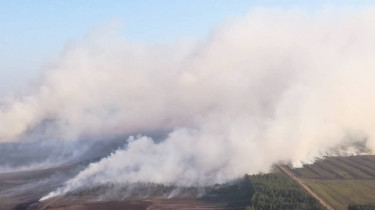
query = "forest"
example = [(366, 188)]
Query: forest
[(277, 191), (361, 206)]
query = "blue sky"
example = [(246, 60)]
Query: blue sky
[(31, 32)]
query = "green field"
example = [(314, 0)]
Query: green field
[(341, 181), (340, 193)]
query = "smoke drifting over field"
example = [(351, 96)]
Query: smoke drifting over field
[(272, 86)]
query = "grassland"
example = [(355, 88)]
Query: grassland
[(341, 181), (340, 193)]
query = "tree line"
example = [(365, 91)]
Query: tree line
[(278, 191)]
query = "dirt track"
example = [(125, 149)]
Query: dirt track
[(301, 182)]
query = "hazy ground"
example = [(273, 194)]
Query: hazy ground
[(339, 181), (27, 176), (138, 204), (20, 188), (23, 189)]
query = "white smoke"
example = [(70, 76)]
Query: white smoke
[(274, 86)]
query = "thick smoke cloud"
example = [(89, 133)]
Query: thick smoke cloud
[(273, 86)]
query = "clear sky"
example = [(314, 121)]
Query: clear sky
[(31, 32)]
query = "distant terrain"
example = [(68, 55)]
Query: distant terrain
[(341, 182)]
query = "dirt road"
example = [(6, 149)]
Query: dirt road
[(301, 182)]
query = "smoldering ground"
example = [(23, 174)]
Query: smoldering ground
[(273, 86)]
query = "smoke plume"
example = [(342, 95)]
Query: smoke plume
[(273, 86)]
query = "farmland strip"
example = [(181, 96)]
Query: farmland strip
[(353, 171), (312, 170), (320, 165), (359, 166), (334, 163)]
